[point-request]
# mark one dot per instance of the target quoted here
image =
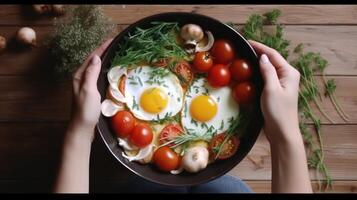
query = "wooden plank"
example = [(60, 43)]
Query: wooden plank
[(339, 186), (337, 44), (36, 147), (35, 98), (123, 14), (339, 146), (103, 186)]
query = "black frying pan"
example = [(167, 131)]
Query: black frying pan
[(217, 169)]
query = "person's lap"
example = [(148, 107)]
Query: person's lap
[(224, 184)]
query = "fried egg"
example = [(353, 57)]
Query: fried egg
[(208, 110), (153, 93)]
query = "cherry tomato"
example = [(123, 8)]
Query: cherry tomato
[(244, 92), (228, 149), (123, 123), (166, 159), (142, 135), (170, 132), (241, 70), (219, 75), (202, 61), (184, 72), (222, 51)]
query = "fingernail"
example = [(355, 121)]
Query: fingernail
[(264, 59), (95, 60)]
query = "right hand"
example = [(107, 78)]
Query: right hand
[(279, 100)]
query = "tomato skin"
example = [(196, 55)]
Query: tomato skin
[(183, 70), (168, 133), (123, 123), (244, 92), (241, 70), (202, 61), (142, 135), (219, 75), (229, 148), (166, 159), (222, 51)]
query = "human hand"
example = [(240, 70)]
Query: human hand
[(279, 100), (85, 93)]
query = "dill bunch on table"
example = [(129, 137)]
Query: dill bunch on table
[(310, 92), (74, 37)]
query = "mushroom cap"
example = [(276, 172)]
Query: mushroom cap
[(192, 32)]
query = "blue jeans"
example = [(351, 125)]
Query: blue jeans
[(224, 184)]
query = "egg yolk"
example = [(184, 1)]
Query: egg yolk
[(153, 100), (203, 108)]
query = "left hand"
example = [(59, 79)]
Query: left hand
[(85, 92)]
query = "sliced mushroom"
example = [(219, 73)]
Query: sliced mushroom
[(114, 76), (110, 108), (177, 171), (126, 145), (143, 153), (208, 45)]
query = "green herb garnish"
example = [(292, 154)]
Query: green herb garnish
[(150, 45)]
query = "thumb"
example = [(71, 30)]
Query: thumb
[(92, 72), (268, 72)]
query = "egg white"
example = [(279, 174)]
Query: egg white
[(139, 80), (227, 110)]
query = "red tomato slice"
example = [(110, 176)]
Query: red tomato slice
[(227, 150), (169, 132), (184, 71)]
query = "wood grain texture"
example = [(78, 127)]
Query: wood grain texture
[(340, 146), (33, 98), (337, 44), (123, 14), (36, 98), (34, 110), (36, 146)]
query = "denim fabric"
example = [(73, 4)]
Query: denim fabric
[(224, 184)]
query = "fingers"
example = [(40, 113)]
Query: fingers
[(77, 77), (99, 51), (92, 73), (276, 59), (268, 72)]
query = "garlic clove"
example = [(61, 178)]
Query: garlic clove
[(26, 35), (195, 159), (110, 108), (126, 145), (208, 45), (143, 153), (2, 43)]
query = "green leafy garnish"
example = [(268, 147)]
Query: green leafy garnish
[(307, 64), (150, 45)]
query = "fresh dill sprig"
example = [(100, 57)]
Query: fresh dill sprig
[(237, 126), (253, 29), (167, 119), (150, 45), (307, 64)]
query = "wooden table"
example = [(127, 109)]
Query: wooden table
[(34, 111)]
